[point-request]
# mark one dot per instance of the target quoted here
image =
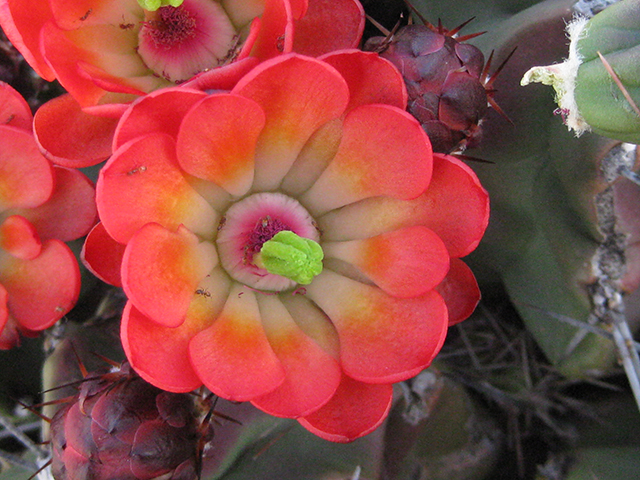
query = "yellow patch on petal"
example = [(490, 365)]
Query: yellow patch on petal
[(143, 183), (312, 375), (383, 151), (298, 95), (233, 357), (383, 339)]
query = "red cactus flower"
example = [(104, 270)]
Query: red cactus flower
[(106, 53), (292, 242), (41, 207)]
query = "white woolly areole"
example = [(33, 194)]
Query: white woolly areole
[(562, 77)]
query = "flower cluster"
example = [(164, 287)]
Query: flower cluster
[(278, 221), (41, 207), (106, 53), (192, 213)]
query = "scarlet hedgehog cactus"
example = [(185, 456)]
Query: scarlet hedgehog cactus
[(447, 81), (41, 207), (107, 53), (292, 242), (120, 427)]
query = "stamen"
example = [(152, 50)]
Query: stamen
[(264, 231), (173, 26)]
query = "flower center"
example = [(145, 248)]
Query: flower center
[(177, 43), (171, 27), (251, 224), (264, 230)]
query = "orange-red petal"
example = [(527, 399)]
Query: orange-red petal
[(19, 238), (71, 137), (72, 14), (76, 56), (298, 95), (233, 356), (71, 210), (460, 291), (26, 177), (356, 409), (161, 354), (314, 157), (384, 151), (312, 375), (340, 23), (455, 206), (143, 183), (458, 205), (159, 111), (161, 270), (383, 339), (313, 321), (14, 110), (41, 290), (102, 255), (22, 21), (299, 8), (217, 141), (275, 34), (371, 78), (222, 78), (404, 263)]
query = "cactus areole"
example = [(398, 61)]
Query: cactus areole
[(445, 79)]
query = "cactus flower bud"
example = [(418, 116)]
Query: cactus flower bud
[(119, 426), (445, 80)]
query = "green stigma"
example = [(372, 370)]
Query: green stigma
[(153, 5), (289, 255)]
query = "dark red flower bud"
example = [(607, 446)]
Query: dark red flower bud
[(445, 81), (120, 427)]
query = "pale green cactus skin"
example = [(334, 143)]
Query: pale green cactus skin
[(434, 404), (597, 87)]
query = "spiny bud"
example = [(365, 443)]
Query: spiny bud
[(446, 79), (120, 427)]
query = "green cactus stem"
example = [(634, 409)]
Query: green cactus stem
[(598, 86), (611, 53), (562, 77)]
